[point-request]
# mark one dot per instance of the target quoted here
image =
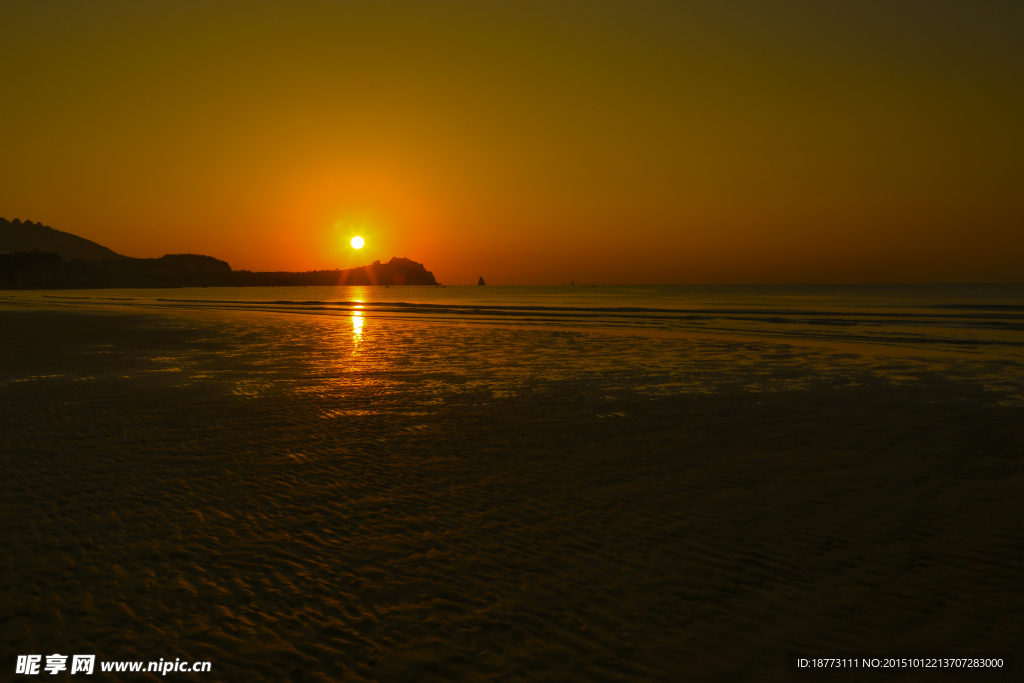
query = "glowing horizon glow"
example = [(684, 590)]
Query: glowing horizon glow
[(357, 242)]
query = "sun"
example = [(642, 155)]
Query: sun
[(357, 242)]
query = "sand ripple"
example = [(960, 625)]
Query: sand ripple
[(293, 503)]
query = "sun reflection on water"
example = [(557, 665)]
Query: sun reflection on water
[(357, 321)]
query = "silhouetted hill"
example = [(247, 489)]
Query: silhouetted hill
[(397, 271), (44, 258), (17, 236), (44, 270), (172, 270)]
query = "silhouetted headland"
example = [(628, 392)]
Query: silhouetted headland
[(39, 257), (16, 236)]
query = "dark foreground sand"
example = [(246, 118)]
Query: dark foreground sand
[(160, 498)]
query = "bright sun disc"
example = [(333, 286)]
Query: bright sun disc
[(357, 242)]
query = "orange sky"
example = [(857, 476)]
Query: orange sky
[(528, 142)]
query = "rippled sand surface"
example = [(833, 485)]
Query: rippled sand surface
[(317, 498)]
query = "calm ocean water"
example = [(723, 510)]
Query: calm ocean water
[(972, 319)]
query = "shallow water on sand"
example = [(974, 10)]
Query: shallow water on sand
[(328, 347), (979, 319)]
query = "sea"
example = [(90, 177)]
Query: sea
[(651, 340), (968, 319)]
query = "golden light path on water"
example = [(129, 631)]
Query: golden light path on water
[(357, 320)]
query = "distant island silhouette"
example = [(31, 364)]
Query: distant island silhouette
[(35, 256)]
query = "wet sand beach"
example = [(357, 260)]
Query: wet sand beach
[(307, 498)]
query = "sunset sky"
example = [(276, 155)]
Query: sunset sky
[(528, 142)]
